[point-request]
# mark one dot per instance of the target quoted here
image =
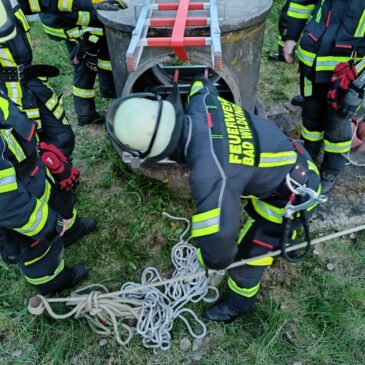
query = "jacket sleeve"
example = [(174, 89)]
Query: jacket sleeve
[(52, 6), (20, 210), (294, 16)]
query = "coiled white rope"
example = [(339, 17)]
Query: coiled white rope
[(154, 310)]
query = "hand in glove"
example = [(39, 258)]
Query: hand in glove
[(109, 5), (61, 169), (86, 52), (343, 75)]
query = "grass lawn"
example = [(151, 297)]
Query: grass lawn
[(306, 314)]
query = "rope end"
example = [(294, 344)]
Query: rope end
[(35, 305)]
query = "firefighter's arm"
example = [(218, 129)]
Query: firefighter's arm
[(21, 211), (294, 18), (202, 85), (52, 6)]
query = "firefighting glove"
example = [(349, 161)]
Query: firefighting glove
[(343, 75), (109, 5), (87, 53), (61, 169)]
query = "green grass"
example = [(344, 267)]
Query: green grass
[(305, 312)]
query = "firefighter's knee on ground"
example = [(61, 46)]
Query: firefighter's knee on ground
[(218, 259)]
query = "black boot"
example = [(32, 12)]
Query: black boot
[(93, 118), (81, 227), (297, 100), (68, 278), (327, 181)]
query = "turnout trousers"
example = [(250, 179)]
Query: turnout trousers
[(324, 126), (261, 234), (84, 80)]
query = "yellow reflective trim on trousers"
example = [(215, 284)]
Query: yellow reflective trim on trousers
[(307, 87), (360, 30), (48, 278), (20, 15), (319, 13), (245, 292), (60, 33), (15, 92), (65, 5), (6, 58), (28, 263), (245, 229), (200, 257), (305, 57), (83, 18), (13, 145), (271, 159), (58, 111), (78, 33), (268, 211), (313, 136), (8, 180), (6, 188), (298, 11), (37, 220), (266, 261), (4, 106), (198, 85), (337, 147), (105, 65), (83, 93), (205, 223), (7, 172), (34, 6)]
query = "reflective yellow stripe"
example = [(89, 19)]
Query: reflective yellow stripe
[(272, 159), (360, 66), (6, 58), (307, 87), (65, 5), (20, 15), (198, 85), (200, 257), (83, 18), (58, 111), (47, 192), (14, 91), (48, 278), (266, 261), (294, 234), (245, 292), (313, 167), (105, 65), (32, 113), (65, 121), (316, 203), (54, 31), (83, 93), (34, 6), (4, 106), (339, 147), (305, 57), (360, 30), (37, 220), (205, 223), (27, 263), (313, 136), (245, 229), (77, 33), (300, 11), (328, 63), (8, 180), (13, 145), (73, 219), (51, 102), (268, 211)]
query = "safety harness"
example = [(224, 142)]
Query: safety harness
[(27, 72)]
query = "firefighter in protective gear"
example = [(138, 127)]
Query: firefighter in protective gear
[(232, 155), (86, 43), (37, 216), (328, 34)]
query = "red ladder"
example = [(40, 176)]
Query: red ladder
[(177, 41)]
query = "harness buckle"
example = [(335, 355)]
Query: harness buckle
[(20, 70)]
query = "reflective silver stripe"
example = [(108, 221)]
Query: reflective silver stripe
[(206, 223), (278, 159), (7, 180)]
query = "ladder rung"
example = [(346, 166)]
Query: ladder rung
[(169, 22), (175, 6), (166, 41)]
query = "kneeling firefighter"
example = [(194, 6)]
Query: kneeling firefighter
[(233, 155)]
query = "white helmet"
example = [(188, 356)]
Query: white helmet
[(142, 124), (7, 23)]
